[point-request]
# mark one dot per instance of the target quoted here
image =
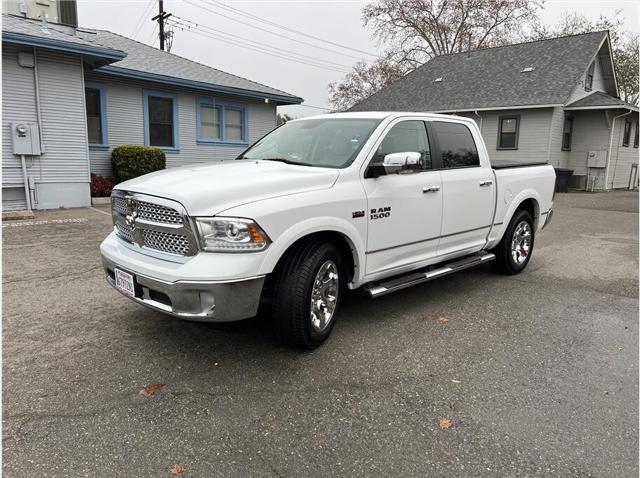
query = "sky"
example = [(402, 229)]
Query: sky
[(337, 22)]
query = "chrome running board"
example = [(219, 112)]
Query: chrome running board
[(377, 289)]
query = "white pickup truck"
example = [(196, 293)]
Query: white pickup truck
[(378, 201)]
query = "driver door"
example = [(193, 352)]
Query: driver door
[(405, 209)]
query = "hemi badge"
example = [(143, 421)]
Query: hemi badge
[(356, 214)]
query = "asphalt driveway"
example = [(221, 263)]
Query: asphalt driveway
[(537, 375)]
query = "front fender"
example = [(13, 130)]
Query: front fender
[(311, 226)]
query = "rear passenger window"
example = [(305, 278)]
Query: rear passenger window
[(457, 147)]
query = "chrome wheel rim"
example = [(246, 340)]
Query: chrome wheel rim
[(521, 242), (324, 296)]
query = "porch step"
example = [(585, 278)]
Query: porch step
[(378, 289)]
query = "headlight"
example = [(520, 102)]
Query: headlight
[(230, 234)]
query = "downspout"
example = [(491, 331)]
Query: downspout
[(37, 91), (606, 171), (476, 113)]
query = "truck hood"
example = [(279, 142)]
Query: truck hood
[(206, 190)]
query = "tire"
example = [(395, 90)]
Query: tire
[(512, 258), (297, 321)]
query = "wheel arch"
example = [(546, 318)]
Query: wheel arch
[(347, 242)]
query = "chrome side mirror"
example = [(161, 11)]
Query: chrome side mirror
[(405, 162)]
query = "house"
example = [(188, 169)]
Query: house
[(69, 95), (554, 99)]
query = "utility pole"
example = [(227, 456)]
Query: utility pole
[(161, 17)]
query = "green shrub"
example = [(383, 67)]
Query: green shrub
[(132, 160)]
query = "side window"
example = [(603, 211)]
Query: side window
[(588, 79), (508, 131), (567, 132), (407, 136), (627, 133), (456, 144)]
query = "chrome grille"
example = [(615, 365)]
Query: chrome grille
[(158, 213), (124, 231), (166, 242), (158, 226)]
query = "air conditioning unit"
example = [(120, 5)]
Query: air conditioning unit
[(597, 159)]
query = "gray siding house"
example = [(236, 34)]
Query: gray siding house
[(82, 92), (555, 100)]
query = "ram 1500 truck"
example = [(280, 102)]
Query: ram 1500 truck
[(378, 201)]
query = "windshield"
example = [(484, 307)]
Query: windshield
[(327, 142)]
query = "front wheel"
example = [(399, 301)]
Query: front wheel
[(307, 294), (514, 250)]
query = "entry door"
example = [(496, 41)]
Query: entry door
[(404, 210), (468, 190)]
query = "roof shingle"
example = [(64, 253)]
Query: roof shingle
[(492, 77)]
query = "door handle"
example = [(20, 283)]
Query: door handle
[(430, 189), (486, 182)]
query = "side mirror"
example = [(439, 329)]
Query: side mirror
[(405, 162)]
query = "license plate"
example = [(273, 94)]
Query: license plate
[(124, 283)]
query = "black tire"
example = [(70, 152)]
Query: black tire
[(292, 294), (504, 262)]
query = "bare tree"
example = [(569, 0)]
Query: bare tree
[(417, 30), (362, 82), (624, 45)]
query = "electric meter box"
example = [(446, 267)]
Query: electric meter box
[(597, 159), (26, 139)]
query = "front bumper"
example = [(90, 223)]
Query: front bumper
[(207, 301)]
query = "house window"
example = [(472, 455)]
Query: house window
[(635, 138), (508, 130), (566, 134), (161, 120), (627, 133), (588, 80), (221, 122), (96, 107)]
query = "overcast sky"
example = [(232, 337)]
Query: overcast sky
[(337, 22)]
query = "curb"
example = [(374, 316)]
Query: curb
[(100, 201), (17, 215)]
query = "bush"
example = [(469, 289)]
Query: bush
[(101, 187), (131, 160)]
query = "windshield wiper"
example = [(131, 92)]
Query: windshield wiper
[(286, 161)]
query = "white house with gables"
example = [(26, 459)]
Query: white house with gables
[(69, 95), (555, 100)]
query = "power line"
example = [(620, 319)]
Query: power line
[(263, 51), (280, 35), (282, 27), (161, 17), (182, 21), (136, 29), (153, 34)]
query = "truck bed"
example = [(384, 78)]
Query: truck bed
[(507, 164)]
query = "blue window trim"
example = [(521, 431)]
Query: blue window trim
[(104, 144), (176, 132), (223, 106)]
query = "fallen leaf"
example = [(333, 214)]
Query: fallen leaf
[(456, 407), (443, 319), (151, 389), (455, 381), (176, 469), (445, 423)]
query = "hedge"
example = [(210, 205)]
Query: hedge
[(132, 160), (101, 187)]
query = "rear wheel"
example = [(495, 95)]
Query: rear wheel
[(514, 250), (307, 294)]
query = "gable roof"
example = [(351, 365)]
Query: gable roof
[(36, 33), (148, 63), (598, 99), (493, 77)]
